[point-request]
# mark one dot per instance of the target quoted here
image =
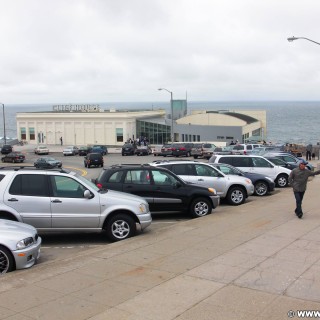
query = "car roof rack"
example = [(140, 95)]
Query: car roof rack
[(17, 168), (177, 160), (119, 165)]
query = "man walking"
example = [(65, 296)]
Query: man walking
[(308, 151), (298, 179)]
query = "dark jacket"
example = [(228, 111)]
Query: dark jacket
[(298, 178)]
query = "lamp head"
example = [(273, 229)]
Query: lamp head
[(292, 39)]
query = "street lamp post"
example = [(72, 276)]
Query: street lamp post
[(171, 106), (4, 125), (296, 38)]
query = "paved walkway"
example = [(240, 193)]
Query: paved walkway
[(255, 261)]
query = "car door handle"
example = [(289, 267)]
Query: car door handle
[(13, 199), (56, 201), (200, 180)]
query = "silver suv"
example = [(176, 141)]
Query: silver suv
[(234, 188), (61, 200)]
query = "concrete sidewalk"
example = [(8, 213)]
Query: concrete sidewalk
[(254, 261)]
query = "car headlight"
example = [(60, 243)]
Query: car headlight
[(143, 208), (212, 190), (248, 181), (24, 243), (269, 179)]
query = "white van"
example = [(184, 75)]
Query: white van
[(255, 164), (244, 148)]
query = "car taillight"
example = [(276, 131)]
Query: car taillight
[(99, 185), (244, 152), (183, 149)]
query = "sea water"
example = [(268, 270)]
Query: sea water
[(287, 121)]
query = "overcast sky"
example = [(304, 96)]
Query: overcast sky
[(62, 51)]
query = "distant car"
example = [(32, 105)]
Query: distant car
[(143, 151), (101, 146), (202, 150), (166, 150), (181, 149), (244, 148), (84, 150), (7, 148), (223, 150), (156, 149), (128, 149), (93, 159), (280, 162), (47, 163), (19, 246), (262, 183), (70, 151), (98, 150), (13, 157), (41, 150)]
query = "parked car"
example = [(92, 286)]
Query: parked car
[(223, 150), (289, 158), (202, 150), (164, 191), (128, 149), (84, 150), (19, 246), (280, 162), (100, 146), (61, 200), (156, 149), (93, 159), (41, 150), (244, 148), (13, 157), (47, 163), (256, 164), (143, 151), (7, 148), (166, 150), (70, 151), (97, 149), (262, 183), (181, 149), (233, 188)]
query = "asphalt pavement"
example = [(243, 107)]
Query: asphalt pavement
[(254, 261)]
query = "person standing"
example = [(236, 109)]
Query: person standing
[(61, 140), (298, 179), (309, 151)]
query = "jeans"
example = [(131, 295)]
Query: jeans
[(299, 197)]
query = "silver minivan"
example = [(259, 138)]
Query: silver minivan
[(244, 148)]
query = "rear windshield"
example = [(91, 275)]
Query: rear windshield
[(239, 147), (207, 145)]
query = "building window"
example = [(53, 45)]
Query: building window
[(119, 133), (32, 135), (220, 137), (23, 133), (198, 138)]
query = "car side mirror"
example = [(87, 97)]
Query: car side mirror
[(87, 194), (177, 185)]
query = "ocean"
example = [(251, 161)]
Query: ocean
[(287, 121)]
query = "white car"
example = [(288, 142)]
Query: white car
[(41, 150), (234, 188), (19, 246), (255, 164), (70, 151)]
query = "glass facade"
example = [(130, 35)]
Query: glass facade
[(155, 132)]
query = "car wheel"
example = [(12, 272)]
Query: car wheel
[(282, 181), (200, 207), (260, 188), (6, 260), (120, 227), (195, 157), (236, 196)]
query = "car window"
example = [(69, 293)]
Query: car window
[(66, 187), (288, 159), (137, 177), (116, 176), (261, 163), (238, 147), (242, 162), (227, 170), (206, 171), (249, 147), (30, 185), (227, 160), (163, 178), (1, 176), (182, 169)]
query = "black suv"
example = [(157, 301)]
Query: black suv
[(93, 159), (128, 149), (182, 149), (164, 191), (6, 148)]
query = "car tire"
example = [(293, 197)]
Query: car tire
[(236, 196), (7, 261), (260, 188), (195, 157), (282, 180), (120, 227), (200, 207)]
